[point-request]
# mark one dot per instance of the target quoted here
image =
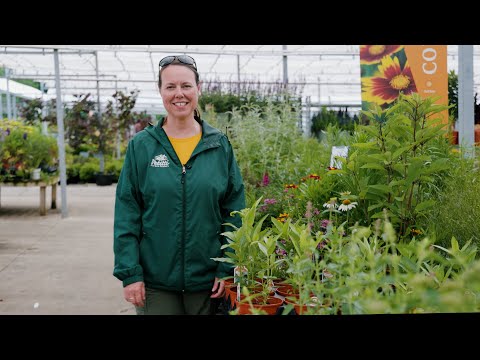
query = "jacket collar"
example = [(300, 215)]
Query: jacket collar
[(210, 137)]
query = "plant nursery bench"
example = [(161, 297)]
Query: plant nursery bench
[(43, 191)]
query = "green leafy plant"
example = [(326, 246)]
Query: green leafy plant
[(399, 166), (269, 140), (79, 122), (242, 246), (457, 208), (31, 111)]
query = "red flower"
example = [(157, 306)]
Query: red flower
[(391, 80), (371, 54)]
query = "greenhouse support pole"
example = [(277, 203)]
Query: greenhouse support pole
[(98, 84), (465, 100), (9, 106), (61, 136), (238, 74), (285, 67), (319, 93), (102, 155), (1, 105), (307, 123), (14, 107)]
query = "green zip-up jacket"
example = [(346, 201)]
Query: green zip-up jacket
[(169, 217)]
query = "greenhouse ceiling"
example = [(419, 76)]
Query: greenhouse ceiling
[(323, 74)]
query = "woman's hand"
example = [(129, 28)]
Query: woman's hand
[(135, 293), (218, 288)]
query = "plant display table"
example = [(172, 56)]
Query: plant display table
[(43, 191)]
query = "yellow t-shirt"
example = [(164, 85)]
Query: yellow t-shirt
[(184, 147)]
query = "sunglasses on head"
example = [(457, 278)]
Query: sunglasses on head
[(184, 59)]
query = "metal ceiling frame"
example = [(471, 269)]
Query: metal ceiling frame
[(327, 74)]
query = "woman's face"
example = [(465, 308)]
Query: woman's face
[(179, 91)]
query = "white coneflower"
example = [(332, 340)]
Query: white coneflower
[(347, 205), (331, 204)]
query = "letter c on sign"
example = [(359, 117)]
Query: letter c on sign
[(429, 58)]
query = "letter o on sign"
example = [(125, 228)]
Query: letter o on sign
[(429, 67)]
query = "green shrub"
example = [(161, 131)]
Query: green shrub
[(113, 167), (326, 118), (73, 171), (457, 211), (89, 169), (269, 140)]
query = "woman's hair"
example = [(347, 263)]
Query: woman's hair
[(196, 112)]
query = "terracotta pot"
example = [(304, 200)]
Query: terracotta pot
[(231, 295), (287, 290), (271, 307), (454, 138), (477, 136), (301, 309), (280, 282), (229, 281)]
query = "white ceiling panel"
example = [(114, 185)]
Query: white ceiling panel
[(328, 74)]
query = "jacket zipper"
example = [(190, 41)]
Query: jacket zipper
[(184, 171)]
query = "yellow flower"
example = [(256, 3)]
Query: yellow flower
[(282, 217), (389, 82)]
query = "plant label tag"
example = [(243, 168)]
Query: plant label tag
[(338, 151)]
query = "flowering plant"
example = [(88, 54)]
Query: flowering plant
[(24, 148)]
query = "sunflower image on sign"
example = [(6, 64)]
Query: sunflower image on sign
[(388, 70), (385, 74)]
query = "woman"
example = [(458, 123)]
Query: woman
[(179, 183)]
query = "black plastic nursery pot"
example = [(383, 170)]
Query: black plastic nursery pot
[(103, 179)]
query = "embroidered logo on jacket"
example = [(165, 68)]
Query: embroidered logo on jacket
[(160, 161)]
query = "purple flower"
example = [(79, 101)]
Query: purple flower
[(266, 179), (269, 201), (7, 131), (24, 136), (324, 223)]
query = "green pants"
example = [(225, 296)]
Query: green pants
[(161, 302)]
